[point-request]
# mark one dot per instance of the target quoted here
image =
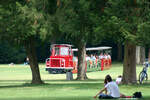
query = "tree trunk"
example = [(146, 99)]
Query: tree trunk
[(138, 54), (149, 55), (142, 55), (81, 75), (119, 58), (58, 3), (31, 53), (129, 65)]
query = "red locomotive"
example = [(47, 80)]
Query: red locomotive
[(61, 59)]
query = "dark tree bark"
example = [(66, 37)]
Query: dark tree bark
[(58, 3), (149, 55), (119, 58), (81, 75), (142, 55), (31, 53), (138, 54), (129, 65)]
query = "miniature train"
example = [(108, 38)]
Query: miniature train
[(62, 59)]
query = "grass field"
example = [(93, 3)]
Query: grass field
[(15, 84)]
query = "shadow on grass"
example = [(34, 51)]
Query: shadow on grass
[(52, 98), (70, 98), (28, 82), (85, 81), (63, 80), (145, 85), (55, 84), (146, 98)]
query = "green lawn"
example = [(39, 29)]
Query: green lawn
[(14, 84)]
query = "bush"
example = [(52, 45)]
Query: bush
[(10, 54)]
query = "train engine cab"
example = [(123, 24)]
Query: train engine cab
[(61, 59)]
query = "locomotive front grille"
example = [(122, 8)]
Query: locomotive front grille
[(55, 63)]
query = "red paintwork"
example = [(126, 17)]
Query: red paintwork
[(58, 60)]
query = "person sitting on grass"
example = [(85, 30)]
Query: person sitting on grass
[(111, 90), (119, 79)]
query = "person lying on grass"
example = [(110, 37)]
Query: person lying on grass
[(111, 90)]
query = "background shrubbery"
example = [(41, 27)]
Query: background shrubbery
[(11, 54)]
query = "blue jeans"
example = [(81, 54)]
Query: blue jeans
[(105, 96)]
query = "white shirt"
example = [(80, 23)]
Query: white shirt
[(109, 57), (105, 57), (101, 57), (87, 58), (118, 80), (93, 58), (113, 89)]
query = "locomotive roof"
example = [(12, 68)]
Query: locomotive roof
[(62, 45), (95, 48)]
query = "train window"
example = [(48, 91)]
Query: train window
[(56, 51), (64, 51), (70, 53)]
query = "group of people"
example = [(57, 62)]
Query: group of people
[(101, 60), (111, 90)]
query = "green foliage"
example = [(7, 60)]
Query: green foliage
[(110, 29), (9, 54), (144, 34), (77, 20), (21, 20), (50, 26), (124, 18)]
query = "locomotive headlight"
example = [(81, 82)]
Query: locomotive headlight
[(62, 63)]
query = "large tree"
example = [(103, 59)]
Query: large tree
[(126, 16), (20, 23), (26, 21), (78, 20), (75, 23)]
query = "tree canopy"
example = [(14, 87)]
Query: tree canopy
[(125, 19), (80, 22), (23, 22)]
